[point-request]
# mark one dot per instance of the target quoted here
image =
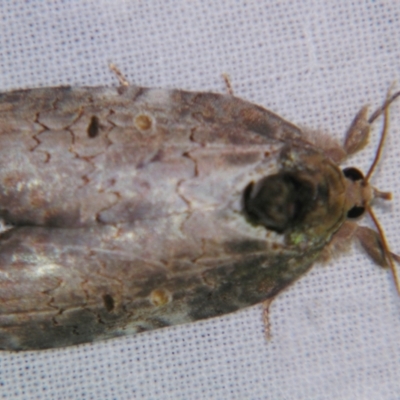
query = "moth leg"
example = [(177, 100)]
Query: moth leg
[(340, 241), (358, 133), (228, 84), (369, 239), (120, 76), (267, 323), (356, 138), (371, 243)]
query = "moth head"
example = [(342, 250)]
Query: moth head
[(360, 195)]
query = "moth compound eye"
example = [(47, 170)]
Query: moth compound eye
[(278, 201), (355, 212), (353, 174)]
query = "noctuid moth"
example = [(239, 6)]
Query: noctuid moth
[(128, 209)]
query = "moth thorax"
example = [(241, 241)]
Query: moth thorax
[(279, 201)]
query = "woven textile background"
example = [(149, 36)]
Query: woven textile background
[(336, 331)]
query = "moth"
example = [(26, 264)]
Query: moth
[(127, 209)]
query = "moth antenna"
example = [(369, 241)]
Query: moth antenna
[(385, 110), (381, 109), (384, 195), (386, 250)]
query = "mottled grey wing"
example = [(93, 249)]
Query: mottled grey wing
[(124, 209)]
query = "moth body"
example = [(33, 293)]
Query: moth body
[(129, 209)]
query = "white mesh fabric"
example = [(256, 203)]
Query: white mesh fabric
[(336, 331)]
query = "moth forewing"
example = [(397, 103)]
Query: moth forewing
[(133, 209)]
